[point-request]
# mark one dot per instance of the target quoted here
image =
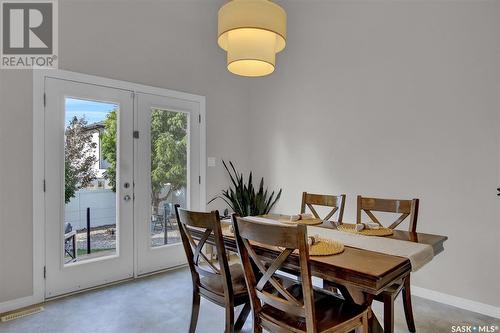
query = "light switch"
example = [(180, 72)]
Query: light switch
[(211, 162)]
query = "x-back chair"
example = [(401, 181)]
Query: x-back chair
[(336, 202), (298, 308), (406, 209), (222, 284)]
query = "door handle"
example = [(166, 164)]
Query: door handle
[(127, 198)]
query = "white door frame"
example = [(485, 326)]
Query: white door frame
[(151, 259), (38, 163), (64, 277)]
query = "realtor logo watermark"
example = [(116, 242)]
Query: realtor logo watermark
[(29, 34)]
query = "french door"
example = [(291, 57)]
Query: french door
[(117, 161), (89, 177), (167, 173)]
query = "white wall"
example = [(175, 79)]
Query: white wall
[(398, 100)]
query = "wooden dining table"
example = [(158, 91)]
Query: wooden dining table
[(360, 275)]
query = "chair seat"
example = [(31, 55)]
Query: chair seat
[(330, 311), (214, 284)]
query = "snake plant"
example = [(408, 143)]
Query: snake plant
[(243, 198)]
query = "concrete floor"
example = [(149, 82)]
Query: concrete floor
[(162, 303)]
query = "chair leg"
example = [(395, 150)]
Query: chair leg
[(410, 322), (365, 322), (229, 319), (388, 313), (242, 318), (256, 328), (195, 310)]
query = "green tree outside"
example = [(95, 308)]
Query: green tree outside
[(108, 147), (168, 152), (79, 157)]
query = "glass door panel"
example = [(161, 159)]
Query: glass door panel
[(169, 152), (90, 224), (167, 173), (88, 172)]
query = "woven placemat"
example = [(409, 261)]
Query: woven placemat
[(326, 247), (305, 222), (322, 247), (367, 232)]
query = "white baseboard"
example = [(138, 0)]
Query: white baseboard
[(462, 303), (18, 303)]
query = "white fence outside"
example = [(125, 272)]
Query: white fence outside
[(102, 204)]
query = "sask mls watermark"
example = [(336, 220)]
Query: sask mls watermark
[(29, 34), (474, 328)]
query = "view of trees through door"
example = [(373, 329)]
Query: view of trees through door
[(90, 177), (90, 198), (169, 142)]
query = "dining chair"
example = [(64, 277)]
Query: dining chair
[(218, 282), (337, 202), (406, 209), (296, 308)]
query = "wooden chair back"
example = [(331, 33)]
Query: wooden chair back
[(337, 202), (287, 239), (199, 264), (407, 208)]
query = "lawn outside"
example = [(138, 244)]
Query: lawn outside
[(103, 241)]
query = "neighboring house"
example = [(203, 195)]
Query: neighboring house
[(101, 165), (98, 196)]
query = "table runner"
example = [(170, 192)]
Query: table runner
[(418, 254)]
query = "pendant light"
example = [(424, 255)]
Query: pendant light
[(252, 32)]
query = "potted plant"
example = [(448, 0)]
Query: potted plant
[(243, 198)]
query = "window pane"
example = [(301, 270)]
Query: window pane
[(169, 147), (89, 184)]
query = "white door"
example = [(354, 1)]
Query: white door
[(89, 177), (167, 173)]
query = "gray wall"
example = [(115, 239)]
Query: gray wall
[(394, 99), (398, 100), (16, 203)]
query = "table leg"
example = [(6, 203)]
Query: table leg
[(359, 297), (388, 313)]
